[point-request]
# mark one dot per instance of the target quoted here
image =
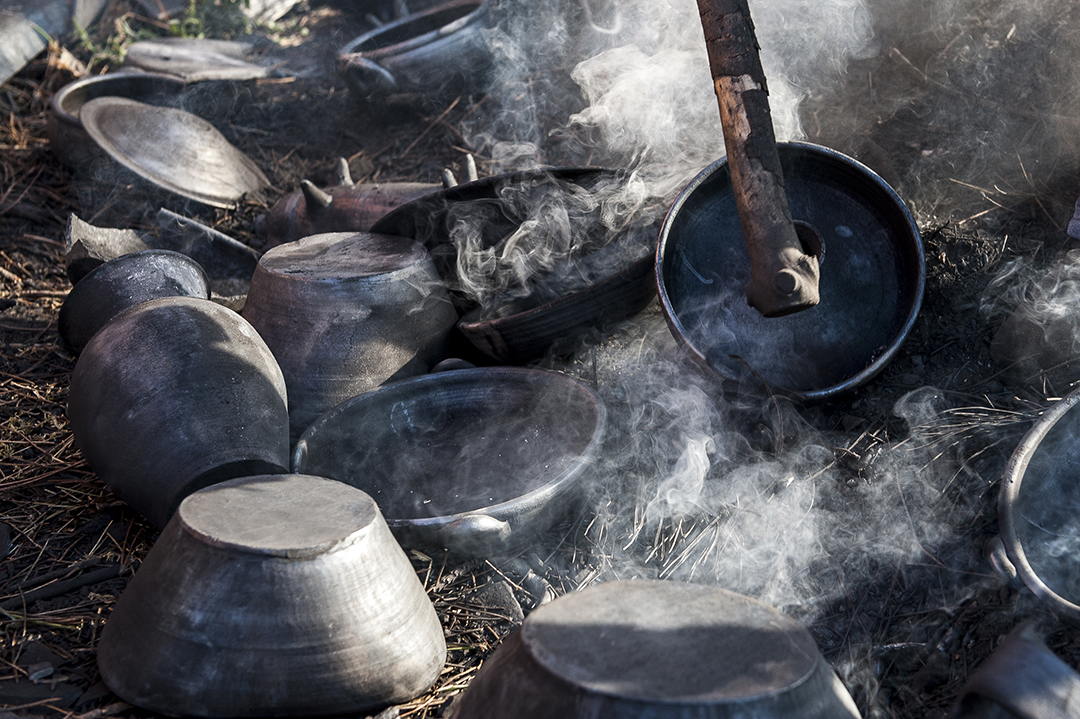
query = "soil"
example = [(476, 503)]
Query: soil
[(905, 636)]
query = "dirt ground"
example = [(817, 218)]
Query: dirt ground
[(904, 638)]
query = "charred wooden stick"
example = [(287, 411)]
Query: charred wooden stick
[(784, 278)]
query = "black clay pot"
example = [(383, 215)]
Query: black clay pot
[(426, 59), (345, 312), (656, 650), (873, 273), (273, 596), (124, 282), (173, 395)]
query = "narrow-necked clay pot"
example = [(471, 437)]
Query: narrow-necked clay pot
[(124, 282), (173, 395)]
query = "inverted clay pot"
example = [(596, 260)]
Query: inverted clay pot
[(345, 312), (656, 650), (273, 596)]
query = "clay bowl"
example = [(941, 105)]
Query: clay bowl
[(604, 281), (124, 282), (426, 58), (69, 140), (273, 596), (656, 649), (1039, 509), (174, 395), (873, 273), (173, 150), (476, 461), (345, 312)]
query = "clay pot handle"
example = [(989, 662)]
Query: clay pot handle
[(369, 80), (784, 278), (475, 535)]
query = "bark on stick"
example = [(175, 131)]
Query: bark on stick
[(784, 278)]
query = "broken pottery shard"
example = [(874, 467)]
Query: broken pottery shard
[(195, 59), (89, 246), (229, 263)]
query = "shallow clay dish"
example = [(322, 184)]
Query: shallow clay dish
[(873, 273), (173, 149)]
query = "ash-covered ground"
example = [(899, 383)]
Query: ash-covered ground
[(864, 516)]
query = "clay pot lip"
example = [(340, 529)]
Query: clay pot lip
[(909, 229), (485, 375), (60, 102), (1011, 480), (378, 51), (471, 322)]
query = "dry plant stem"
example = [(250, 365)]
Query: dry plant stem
[(784, 279)]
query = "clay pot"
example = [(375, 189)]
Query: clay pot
[(343, 313), (273, 596), (124, 282), (1040, 529), (873, 275), (657, 650), (477, 461), (173, 395), (425, 58)]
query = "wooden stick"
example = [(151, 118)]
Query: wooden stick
[(784, 278)]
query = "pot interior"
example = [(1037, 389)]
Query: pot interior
[(872, 276), (456, 441)]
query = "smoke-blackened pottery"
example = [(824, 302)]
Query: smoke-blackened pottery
[(477, 461), (344, 313), (656, 650), (173, 395), (425, 59), (873, 273), (124, 282), (532, 258), (172, 149), (273, 596)]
